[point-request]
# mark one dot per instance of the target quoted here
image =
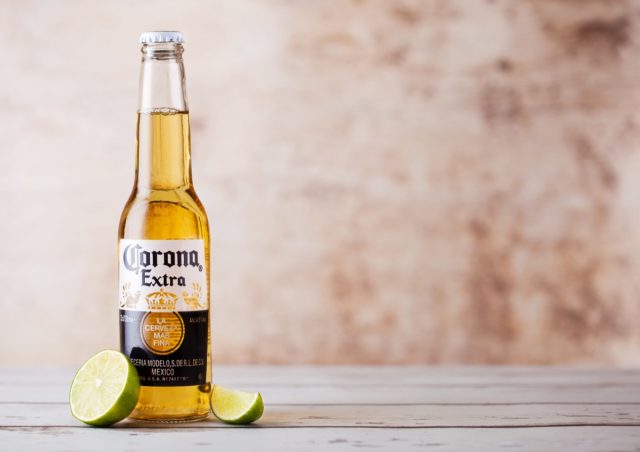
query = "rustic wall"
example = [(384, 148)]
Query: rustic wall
[(387, 181)]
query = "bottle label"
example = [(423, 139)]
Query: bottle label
[(164, 312)]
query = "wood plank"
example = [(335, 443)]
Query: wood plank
[(340, 393), (425, 375), (387, 416), (588, 439), (372, 375), (346, 408)]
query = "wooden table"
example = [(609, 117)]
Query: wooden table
[(355, 408)]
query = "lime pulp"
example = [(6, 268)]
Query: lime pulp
[(236, 407), (105, 390)]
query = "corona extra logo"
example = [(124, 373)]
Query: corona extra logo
[(163, 275), (136, 258)]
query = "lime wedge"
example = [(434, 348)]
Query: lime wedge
[(105, 390), (236, 407)]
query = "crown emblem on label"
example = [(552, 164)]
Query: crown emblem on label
[(162, 301)]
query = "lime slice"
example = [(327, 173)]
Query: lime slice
[(105, 390), (236, 407)]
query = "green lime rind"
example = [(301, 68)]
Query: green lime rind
[(236, 407), (105, 389)]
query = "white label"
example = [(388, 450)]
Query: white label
[(163, 275)]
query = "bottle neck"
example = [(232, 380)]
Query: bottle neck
[(163, 137)]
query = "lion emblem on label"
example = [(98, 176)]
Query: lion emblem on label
[(193, 300)]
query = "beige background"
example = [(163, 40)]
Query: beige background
[(387, 181)]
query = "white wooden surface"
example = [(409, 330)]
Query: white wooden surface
[(355, 408)]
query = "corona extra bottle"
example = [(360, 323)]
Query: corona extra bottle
[(164, 249)]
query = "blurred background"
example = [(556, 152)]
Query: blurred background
[(387, 181)]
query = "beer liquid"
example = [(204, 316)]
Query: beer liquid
[(164, 208)]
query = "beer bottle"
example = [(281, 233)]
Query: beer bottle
[(164, 249)]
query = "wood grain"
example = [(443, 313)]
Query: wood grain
[(374, 416), (316, 439), (349, 408)]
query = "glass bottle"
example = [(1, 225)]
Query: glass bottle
[(164, 249)]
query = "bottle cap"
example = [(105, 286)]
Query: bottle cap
[(158, 37)]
